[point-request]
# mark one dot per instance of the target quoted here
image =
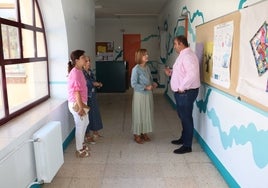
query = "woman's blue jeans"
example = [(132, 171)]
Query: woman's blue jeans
[(184, 105)]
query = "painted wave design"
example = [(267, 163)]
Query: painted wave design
[(239, 135), (150, 37), (241, 4), (196, 15)]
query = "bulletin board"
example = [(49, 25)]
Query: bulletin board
[(104, 47), (244, 79), (205, 36), (253, 69), (104, 51)]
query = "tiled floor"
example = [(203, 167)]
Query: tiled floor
[(116, 161)]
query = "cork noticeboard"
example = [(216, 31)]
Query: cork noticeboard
[(205, 35), (205, 38)]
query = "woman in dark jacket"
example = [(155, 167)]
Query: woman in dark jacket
[(95, 121)]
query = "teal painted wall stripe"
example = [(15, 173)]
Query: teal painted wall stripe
[(36, 186), (223, 171), (240, 101), (225, 174), (241, 4), (68, 139), (57, 83)]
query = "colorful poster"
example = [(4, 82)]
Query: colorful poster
[(207, 62), (253, 74), (259, 45), (223, 40)]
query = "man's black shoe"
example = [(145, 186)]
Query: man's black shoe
[(177, 142), (182, 150)]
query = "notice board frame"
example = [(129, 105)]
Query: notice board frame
[(205, 34)]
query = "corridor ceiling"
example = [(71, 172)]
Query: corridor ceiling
[(128, 8)]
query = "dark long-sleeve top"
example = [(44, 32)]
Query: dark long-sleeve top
[(90, 78)]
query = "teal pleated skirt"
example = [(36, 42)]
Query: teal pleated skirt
[(142, 112)]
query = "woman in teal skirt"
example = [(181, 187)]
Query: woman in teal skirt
[(142, 102)]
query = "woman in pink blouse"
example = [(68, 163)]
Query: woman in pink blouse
[(77, 93)]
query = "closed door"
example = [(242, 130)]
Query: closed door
[(131, 43)]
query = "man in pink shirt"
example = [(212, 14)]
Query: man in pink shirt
[(185, 81)]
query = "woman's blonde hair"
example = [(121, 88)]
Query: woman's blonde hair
[(139, 54)]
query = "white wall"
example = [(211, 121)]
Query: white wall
[(57, 42), (112, 29), (233, 133), (80, 25), (69, 25)]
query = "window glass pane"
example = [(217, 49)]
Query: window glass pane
[(26, 12), (2, 112), (22, 39), (40, 39), (27, 43), (26, 83), (10, 37), (37, 18), (8, 10)]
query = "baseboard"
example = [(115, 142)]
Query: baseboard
[(68, 139)]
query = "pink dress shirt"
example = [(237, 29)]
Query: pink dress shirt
[(185, 73)]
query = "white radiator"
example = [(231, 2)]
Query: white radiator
[(48, 151)]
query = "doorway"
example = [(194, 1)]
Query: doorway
[(131, 43)]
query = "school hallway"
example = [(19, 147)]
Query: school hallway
[(116, 161)]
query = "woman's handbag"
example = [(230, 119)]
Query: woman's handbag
[(76, 107)]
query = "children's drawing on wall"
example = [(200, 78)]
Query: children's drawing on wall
[(259, 45), (199, 50), (110, 46), (253, 75), (207, 61), (223, 39)]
